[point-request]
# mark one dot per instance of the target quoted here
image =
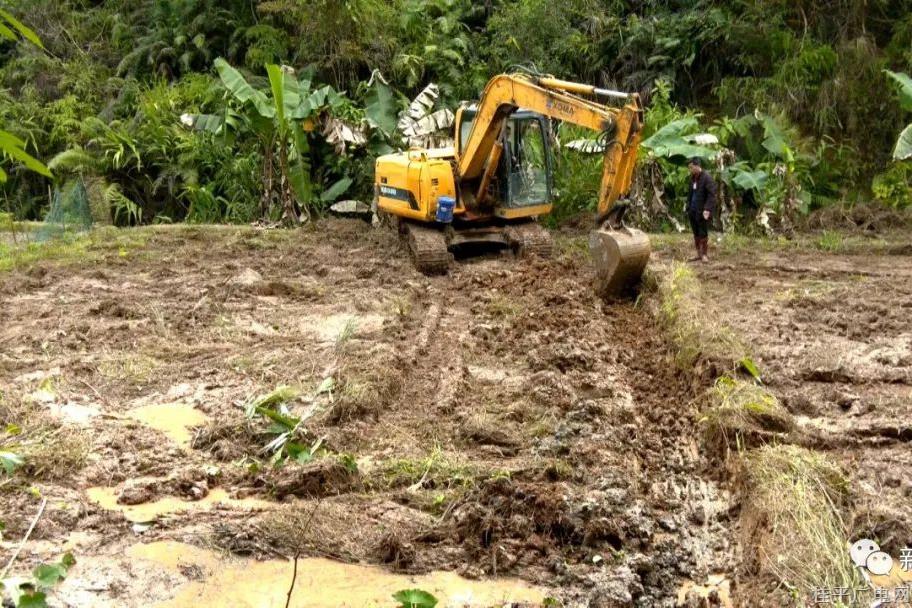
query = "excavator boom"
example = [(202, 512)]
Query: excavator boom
[(619, 127)]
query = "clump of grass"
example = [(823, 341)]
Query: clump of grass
[(502, 307), (435, 471), (792, 519), (54, 453), (47, 449), (690, 322), (484, 429), (830, 241), (361, 396), (742, 413), (129, 368), (346, 334)]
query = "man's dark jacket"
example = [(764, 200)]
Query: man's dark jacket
[(703, 197)]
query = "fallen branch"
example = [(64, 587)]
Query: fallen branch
[(25, 538), (297, 554), (294, 577)]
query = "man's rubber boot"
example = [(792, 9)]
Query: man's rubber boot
[(704, 249), (697, 245)]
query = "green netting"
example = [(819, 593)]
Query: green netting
[(69, 213)]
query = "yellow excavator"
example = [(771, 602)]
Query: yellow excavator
[(497, 179)]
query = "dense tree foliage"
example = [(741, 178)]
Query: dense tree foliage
[(798, 91)]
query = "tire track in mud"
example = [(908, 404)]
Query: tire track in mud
[(615, 497)]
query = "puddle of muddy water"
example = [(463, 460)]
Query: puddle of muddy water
[(173, 419), (320, 583), (150, 511)]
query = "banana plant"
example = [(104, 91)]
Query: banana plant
[(280, 120), (903, 148), (12, 147), (677, 139)]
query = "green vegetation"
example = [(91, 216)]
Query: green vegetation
[(171, 110), (415, 598), (71, 248), (11, 146), (688, 319), (793, 518), (741, 413), (289, 438), (31, 592)]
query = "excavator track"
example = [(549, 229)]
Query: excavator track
[(428, 248), (530, 240)]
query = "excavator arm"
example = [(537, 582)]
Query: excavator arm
[(619, 127)]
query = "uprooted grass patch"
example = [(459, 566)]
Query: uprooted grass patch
[(743, 414), (791, 519), (230, 437), (436, 471), (326, 475), (350, 528), (481, 428), (690, 321), (793, 499), (503, 519), (45, 448), (360, 396)]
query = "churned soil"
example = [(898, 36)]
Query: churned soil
[(498, 421)]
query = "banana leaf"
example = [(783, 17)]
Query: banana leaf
[(904, 87), (241, 89), (903, 149)]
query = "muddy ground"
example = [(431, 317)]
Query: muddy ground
[(833, 338), (497, 422)]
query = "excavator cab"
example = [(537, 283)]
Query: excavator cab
[(524, 176)]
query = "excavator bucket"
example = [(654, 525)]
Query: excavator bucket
[(619, 255)]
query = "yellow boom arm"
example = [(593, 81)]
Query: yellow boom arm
[(561, 100)]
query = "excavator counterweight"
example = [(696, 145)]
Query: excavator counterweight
[(498, 178)]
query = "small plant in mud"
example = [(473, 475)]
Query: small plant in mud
[(345, 336), (415, 598), (291, 440), (31, 592), (10, 461)]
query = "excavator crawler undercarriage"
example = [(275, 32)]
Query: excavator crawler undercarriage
[(430, 246), (427, 246)]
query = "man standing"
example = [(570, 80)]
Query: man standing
[(701, 204)]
